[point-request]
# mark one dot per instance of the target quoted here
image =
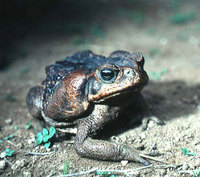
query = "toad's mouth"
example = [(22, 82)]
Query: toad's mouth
[(118, 93)]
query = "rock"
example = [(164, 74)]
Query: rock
[(3, 154), (185, 166), (124, 162), (123, 138), (161, 172), (31, 140), (19, 164), (142, 135), (9, 121), (2, 164), (48, 149), (115, 139), (27, 174)]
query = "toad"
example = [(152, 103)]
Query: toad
[(88, 91)]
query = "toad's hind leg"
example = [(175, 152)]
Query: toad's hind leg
[(100, 149), (34, 101)]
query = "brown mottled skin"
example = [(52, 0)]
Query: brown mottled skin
[(88, 91)]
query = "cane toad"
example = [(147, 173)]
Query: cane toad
[(88, 91)]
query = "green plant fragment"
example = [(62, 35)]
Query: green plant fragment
[(157, 75), (16, 128), (28, 125), (45, 138), (154, 51), (47, 145), (39, 138), (45, 131), (186, 152), (9, 152), (191, 154), (8, 137), (52, 131), (66, 167), (9, 97), (103, 173), (181, 18)]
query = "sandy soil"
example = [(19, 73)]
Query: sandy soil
[(171, 49)]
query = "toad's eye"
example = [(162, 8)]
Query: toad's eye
[(108, 75)]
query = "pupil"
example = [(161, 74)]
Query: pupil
[(107, 74)]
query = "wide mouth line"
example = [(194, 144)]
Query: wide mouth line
[(127, 90)]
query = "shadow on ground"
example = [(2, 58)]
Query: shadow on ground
[(168, 100)]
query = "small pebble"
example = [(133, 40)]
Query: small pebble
[(31, 140), (151, 124), (48, 149), (142, 135), (185, 166), (161, 172), (19, 164), (2, 164), (26, 174), (3, 154), (124, 162), (123, 138), (9, 121), (115, 139)]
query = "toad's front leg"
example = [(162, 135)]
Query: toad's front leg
[(99, 149)]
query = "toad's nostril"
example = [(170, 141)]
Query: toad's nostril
[(129, 73)]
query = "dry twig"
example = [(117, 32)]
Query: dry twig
[(121, 172)]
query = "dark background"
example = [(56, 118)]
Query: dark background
[(22, 18)]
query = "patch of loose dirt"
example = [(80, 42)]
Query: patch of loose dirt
[(173, 96)]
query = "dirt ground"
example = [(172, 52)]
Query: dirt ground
[(167, 33)]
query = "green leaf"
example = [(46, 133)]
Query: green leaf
[(45, 138), (181, 18), (154, 52), (191, 154), (9, 152), (1, 141), (28, 125), (157, 75), (46, 145), (8, 137), (39, 138), (9, 97), (103, 173), (45, 131), (66, 167), (186, 152), (16, 128), (52, 131)]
